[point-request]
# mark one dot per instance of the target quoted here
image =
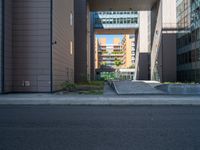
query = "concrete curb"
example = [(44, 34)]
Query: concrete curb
[(65, 100)]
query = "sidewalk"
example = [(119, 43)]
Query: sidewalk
[(53, 99)]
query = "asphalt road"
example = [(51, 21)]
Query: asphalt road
[(99, 128)]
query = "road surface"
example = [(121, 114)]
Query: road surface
[(99, 128)]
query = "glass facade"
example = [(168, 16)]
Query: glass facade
[(188, 40), (116, 19), (133, 48)]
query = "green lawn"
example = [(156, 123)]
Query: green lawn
[(88, 88)]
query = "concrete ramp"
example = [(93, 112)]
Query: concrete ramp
[(134, 88), (108, 90)]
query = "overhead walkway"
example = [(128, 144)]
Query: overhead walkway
[(115, 22)]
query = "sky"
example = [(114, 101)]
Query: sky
[(109, 37)]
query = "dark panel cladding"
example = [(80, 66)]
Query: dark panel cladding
[(8, 53), (169, 57), (1, 45), (143, 66), (80, 40)]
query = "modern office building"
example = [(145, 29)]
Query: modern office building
[(163, 41), (128, 46), (156, 43), (188, 40), (111, 55), (111, 22), (47, 42), (119, 54), (37, 45)]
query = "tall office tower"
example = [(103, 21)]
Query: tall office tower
[(188, 40), (128, 46)]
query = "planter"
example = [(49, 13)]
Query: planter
[(179, 88)]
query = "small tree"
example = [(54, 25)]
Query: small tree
[(118, 62), (132, 66), (103, 63)]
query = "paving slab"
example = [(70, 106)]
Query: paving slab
[(135, 87)]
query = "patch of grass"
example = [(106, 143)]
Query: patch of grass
[(90, 88), (92, 83), (67, 86), (92, 92)]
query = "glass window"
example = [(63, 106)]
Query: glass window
[(121, 20), (104, 21), (128, 20), (114, 20), (71, 47), (125, 20), (71, 19), (111, 21)]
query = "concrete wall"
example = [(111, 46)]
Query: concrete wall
[(115, 31), (169, 13), (63, 42), (31, 46), (118, 5), (143, 31), (142, 50), (156, 35), (154, 17)]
